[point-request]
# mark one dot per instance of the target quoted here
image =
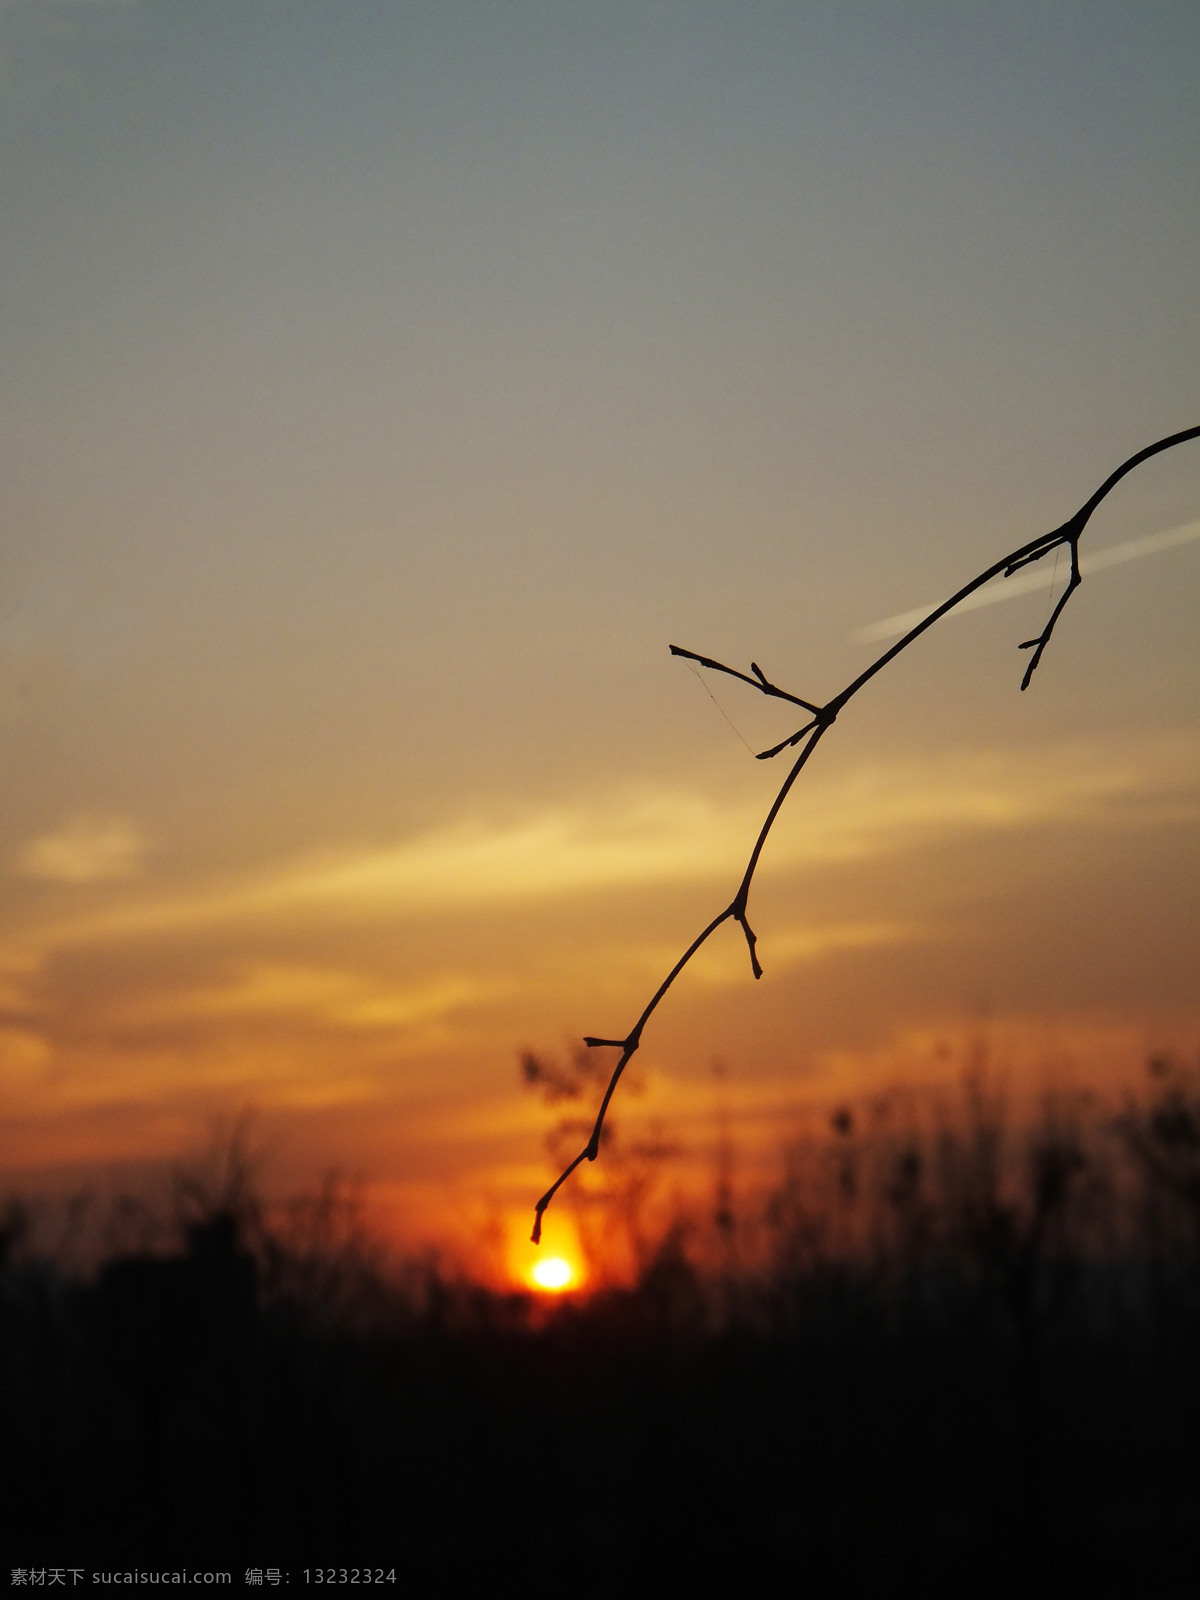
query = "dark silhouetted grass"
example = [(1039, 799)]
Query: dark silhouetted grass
[(953, 1353)]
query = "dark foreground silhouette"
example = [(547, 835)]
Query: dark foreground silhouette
[(961, 1359)]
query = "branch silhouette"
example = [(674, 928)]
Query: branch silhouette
[(821, 719)]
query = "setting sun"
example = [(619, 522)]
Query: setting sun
[(553, 1274)]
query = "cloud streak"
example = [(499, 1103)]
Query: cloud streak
[(1032, 579), (656, 840), (275, 992), (86, 850)]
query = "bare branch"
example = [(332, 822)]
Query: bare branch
[(759, 681), (823, 718), (785, 744), (1043, 639), (751, 942)]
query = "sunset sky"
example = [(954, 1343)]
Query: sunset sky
[(384, 386)]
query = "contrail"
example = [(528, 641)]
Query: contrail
[(1039, 577)]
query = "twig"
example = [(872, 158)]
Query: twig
[(821, 720)]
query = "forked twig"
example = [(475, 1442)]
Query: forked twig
[(814, 730)]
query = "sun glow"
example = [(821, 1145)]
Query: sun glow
[(553, 1274)]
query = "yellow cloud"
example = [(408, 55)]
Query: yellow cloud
[(650, 840), (86, 850), (329, 996)]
